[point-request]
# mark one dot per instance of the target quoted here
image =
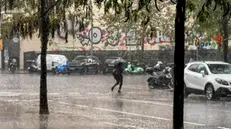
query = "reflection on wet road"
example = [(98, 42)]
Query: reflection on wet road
[(86, 102)]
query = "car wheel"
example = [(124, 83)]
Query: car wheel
[(68, 72), (150, 86), (54, 71), (85, 71), (186, 93), (209, 92), (30, 71), (104, 71), (96, 71)]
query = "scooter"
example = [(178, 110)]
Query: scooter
[(62, 69), (33, 68), (157, 68), (163, 79), (13, 66), (134, 69)]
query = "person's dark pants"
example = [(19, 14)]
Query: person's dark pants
[(119, 81)]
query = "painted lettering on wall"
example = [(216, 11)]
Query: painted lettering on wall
[(111, 37)]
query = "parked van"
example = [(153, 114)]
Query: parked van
[(53, 60)]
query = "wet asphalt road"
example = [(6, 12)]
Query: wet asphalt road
[(86, 102)]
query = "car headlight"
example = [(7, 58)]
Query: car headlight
[(221, 81)]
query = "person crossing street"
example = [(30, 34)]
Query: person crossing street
[(118, 76)]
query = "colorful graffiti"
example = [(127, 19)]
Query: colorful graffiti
[(159, 37), (108, 38), (96, 35), (207, 45), (112, 36)]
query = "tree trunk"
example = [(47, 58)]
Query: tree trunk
[(226, 37), (44, 29), (142, 44), (178, 105)]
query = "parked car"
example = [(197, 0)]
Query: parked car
[(211, 78), (85, 64), (53, 60), (110, 63)]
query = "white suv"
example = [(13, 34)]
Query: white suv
[(211, 78)]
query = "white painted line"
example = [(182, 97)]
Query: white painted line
[(146, 102), (18, 100), (82, 106), (93, 93), (223, 128), (136, 101), (227, 111), (133, 114), (129, 113), (193, 123), (9, 94), (108, 123), (125, 126)]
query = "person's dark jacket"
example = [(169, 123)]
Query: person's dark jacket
[(118, 70)]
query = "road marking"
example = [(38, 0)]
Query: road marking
[(147, 102), (129, 113), (8, 94), (18, 100), (223, 128), (83, 106), (120, 125), (137, 101), (11, 94), (93, 93), (220, 110), (108, 123)]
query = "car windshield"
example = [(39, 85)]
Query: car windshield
[(80, 58), (220, 68)]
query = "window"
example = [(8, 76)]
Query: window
[(200, 68), (193, 67), (220, 68)]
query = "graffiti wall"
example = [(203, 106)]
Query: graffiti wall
[(106, 38), (201, 43)]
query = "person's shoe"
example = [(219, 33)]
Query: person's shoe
[(112, 88), (119, 91)]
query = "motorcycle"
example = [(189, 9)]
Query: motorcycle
[(133, 69), (157, 68), (33, 68), (163, 79), (13, 66)]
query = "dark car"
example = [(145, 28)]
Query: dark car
[(85, 64), (110, 63)]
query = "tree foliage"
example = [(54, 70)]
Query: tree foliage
[(162, 20), (27, 23)]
